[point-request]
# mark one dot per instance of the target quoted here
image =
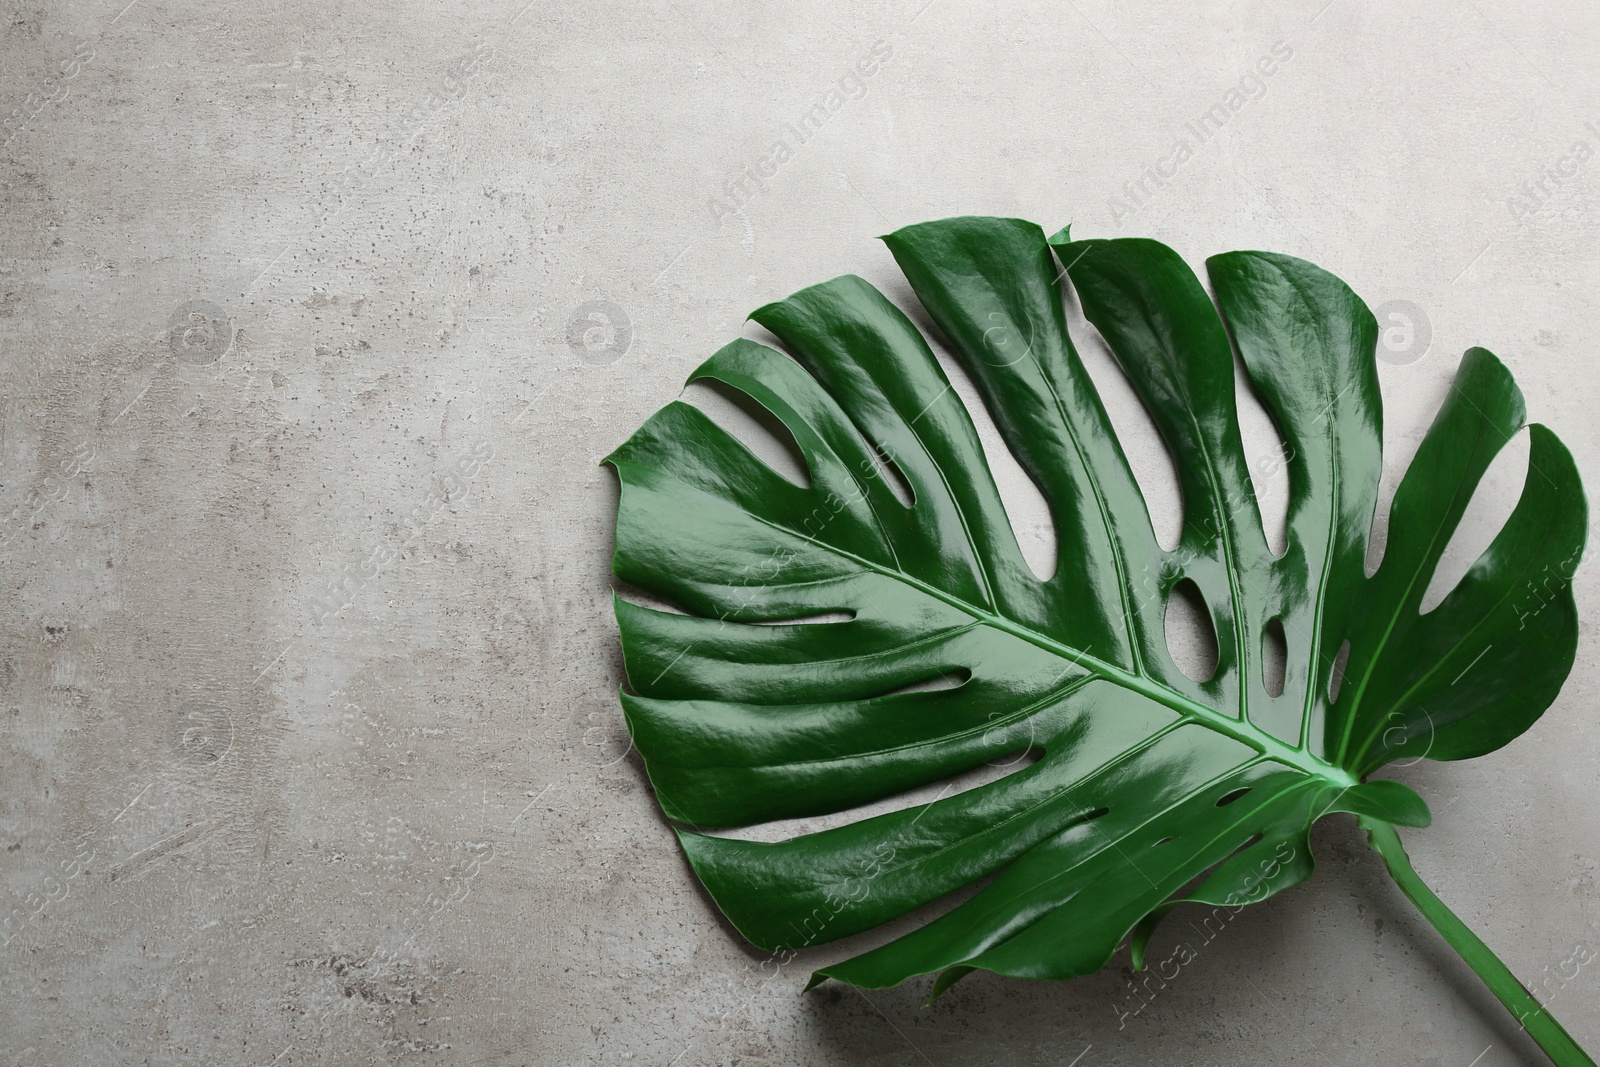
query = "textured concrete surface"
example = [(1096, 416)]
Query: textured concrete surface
[(316, 320)]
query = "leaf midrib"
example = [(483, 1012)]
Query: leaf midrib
[(1237, 729)]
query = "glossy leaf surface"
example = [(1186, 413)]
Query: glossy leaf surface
[(1151, 787)]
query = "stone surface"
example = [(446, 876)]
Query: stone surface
[(316, 322)]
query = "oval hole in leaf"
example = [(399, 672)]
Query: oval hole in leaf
[(1191, 635), (954, 678), (1491, 505), (1336, 681), (808, 620), (1274, 657), (646, 599), (891, 474), (1267, 460), (1016, 761), (1200, 879), (1228, 798), (1026, 508), (758, 429)]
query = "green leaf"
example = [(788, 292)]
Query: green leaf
[(1152, 788)]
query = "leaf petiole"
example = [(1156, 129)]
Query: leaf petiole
[(1534, 1017)]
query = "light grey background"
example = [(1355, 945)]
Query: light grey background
[(235, 832)]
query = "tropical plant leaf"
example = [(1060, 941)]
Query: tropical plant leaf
[(1152, 787)]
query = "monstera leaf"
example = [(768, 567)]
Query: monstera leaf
[(789, 684)]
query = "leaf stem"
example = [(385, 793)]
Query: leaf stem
[(1534, 1017)]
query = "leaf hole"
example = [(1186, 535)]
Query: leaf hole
[(644, 598), (1231, 796), (1492, 503), (1200, 879), (808, 620), (1336, 679), (1274, 657), (1250, 842), (954, 678), (1016, 761), (1026, 508), (889, 472), (922, 796), (1163, 841), (758, 429), (1148, 455), (1191, 635), (1267, 458)]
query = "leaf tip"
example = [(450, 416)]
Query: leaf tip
[(947, 978)]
